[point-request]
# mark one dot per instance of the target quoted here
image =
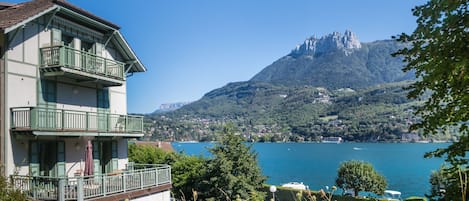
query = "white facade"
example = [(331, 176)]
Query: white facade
[(62, 85), (24, 79)]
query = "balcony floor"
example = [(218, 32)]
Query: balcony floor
[(134, 194), (80, 76)]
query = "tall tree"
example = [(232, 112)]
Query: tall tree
[(438, 52), (233, 172), (360, 176)]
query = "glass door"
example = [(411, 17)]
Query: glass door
[(103, 110)]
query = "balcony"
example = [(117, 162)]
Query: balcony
[(74, 123), (82, 66), (140, 179)]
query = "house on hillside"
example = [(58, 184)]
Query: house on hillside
[(64, 125)]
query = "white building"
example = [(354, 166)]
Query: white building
[(63, 84)]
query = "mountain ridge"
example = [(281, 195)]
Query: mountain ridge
[(322, 81)]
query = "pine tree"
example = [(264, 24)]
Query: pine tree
[(233, 172)]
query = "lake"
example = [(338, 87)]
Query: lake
[(316, 164)]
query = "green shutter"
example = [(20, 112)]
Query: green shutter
[(56, 37), (114, 160), (60, 165), (103, 109), (96, 158), (33, 159)]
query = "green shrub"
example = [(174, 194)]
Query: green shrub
[(415, 198), (283, 193)]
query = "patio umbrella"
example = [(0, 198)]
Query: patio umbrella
[(89, 159)]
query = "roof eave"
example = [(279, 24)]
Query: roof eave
[(137, 66), (29, 19)]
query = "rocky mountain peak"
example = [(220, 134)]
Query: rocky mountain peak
[(331, 42)]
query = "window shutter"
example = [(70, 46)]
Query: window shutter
[(96, 158), (33, 159), (60, 166), (114, 160), (56, 37)]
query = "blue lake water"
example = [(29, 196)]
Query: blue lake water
[(316, 164)]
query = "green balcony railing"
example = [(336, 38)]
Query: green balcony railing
[(64, 56), (47, 119), (92, 187)]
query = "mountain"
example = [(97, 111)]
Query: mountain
[(337, 61), (168, 107), (328, 86)]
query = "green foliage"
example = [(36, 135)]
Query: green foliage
[(186, 171), (439, 56), (8, 193), (283, 193), (446, 184), (360, 176), (275, 113), (415, 198), (147, 154), (233, 172)]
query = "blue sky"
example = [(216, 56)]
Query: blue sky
[(192, 47)]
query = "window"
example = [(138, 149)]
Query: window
[(105, 156), (47, 158)]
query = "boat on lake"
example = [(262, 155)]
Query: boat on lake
[(332, 140), (296, 185), (392, 195)]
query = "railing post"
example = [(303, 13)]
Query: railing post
[(126, 124), (61, 190), (169, 172), (32, 118), (61, 55), (63, 119), (105, 67), (157, 176), (124, 183), (141, 125), (80, 189), (141, 179), (108, 129), (87, 119), (12, 125), (104, 184)]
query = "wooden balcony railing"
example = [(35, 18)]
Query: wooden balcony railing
[(47, 119), (90, 187), (64, 56)]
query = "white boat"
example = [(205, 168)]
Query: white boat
[(392, 195), (334, 140), (296, 185)]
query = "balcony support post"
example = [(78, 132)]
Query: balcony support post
[(124, 183), (61, 190), (80, 189)]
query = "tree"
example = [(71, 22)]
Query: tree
[(360, 176), (438, 52), (8, 193), (446, 184), (186, 171), (232, 173)]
